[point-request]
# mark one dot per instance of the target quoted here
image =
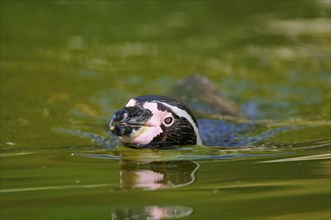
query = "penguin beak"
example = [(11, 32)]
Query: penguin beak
[(128, 121), (133, 125)]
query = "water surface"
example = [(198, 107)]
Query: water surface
[(66, 67)]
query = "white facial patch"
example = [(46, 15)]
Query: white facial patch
[(143, 136), (131, 102), (184, 114), (158, 115)]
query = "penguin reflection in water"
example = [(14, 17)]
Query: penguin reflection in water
[(155, 122)]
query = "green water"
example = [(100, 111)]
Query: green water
[(66, 67)]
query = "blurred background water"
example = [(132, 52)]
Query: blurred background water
[(67, 66)]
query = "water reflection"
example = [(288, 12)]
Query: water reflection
[(148, 173), (152, 212), (153, 175)]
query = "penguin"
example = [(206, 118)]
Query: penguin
[(154, 121)]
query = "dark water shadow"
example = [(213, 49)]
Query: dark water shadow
[(231, 134)]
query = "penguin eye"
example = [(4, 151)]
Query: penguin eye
[(168, 120)]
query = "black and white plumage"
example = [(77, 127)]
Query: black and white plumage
[(155, 121)]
